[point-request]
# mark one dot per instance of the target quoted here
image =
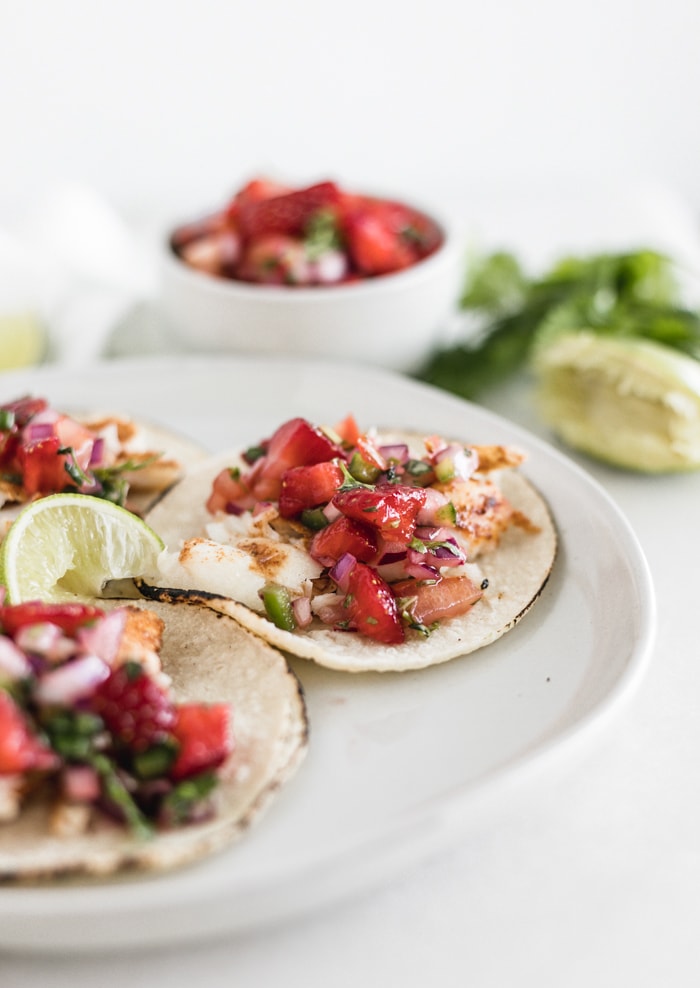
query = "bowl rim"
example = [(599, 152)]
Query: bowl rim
[(292, 294)]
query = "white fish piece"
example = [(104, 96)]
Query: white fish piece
[(239, 570)]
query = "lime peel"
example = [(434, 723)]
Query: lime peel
[(69, 545)]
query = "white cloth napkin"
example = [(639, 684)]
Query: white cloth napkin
[(74, 262)]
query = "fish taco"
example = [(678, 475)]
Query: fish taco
[(137, 736), (46, 451), (361, 550)]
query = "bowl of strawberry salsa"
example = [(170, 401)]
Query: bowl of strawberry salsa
[(315, 270)]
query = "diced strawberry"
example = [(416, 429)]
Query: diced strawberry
[(432, 602), (256, 190), (43, 467), (135, 708), (308, 487), (348, 430), (68, 617), (296, 443), (288, 214), (371, 607), (344, 535), (204, 735), (229, 493), (369, 453), (20, 749), (374, 246), (392, 509)]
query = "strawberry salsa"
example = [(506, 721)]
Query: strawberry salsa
[(86, 710), (320, 235), (43, 451), (393, 533)]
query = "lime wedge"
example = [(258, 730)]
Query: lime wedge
[(22, 341), (68, 545)]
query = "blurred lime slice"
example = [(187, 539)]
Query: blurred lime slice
[(22, 340), (68, 545), (629, 402)]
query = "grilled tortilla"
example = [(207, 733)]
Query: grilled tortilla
[(209, 658), (512, 569)]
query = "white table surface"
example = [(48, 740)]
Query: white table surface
[(591, 879)]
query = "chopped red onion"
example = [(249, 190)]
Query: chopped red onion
[(329, 267), (433, 533), (231, 508), (398, 452), (301, 606), (97, 453), (80, 783), (36, 431), (72, 681), (47, 640), (14, 664), (340, 573), (420, 570), (331, 512), (103, 638), (447, 554), (392, 557)]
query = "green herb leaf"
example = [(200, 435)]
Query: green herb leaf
[(633, 294)]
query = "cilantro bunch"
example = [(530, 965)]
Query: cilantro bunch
[(634, 294)]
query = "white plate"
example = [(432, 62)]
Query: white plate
[(398, 764)]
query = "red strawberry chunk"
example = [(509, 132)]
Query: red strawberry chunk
[(341, 536), (229, 493), (43, 467), (254, 191), (308, 487), (296, 443), (20, 749), (204, 734), (374, 247), (371, 606), (134, 707), (426, 603), (68, 617), (288, 213), (392, 509)]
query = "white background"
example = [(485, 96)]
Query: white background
[(165, 107), (171, 103)]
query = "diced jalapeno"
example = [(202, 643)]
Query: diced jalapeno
[(278, 606), (421, 472), (363, 471), (313, 518), (445, 470), (446, 514)]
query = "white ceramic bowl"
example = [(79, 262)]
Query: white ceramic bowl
[(390, 321)]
